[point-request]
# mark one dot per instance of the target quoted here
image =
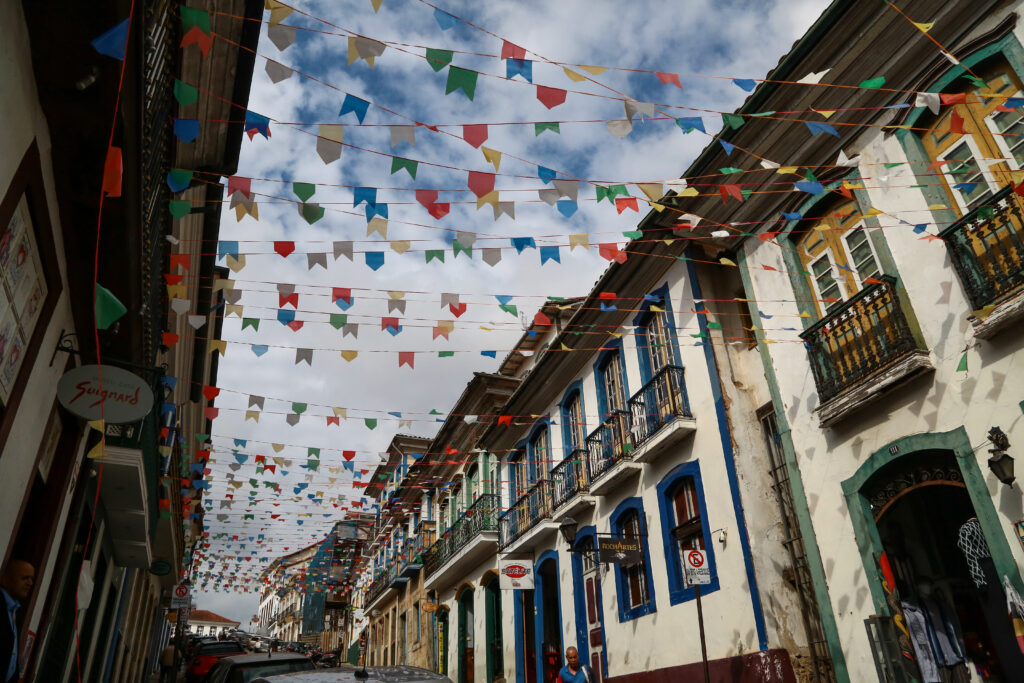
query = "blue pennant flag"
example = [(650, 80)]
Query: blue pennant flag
[(374, 259), (792, 215), (688, 123), (728, 147), (186, 130), (745, 83), (112, 43), (818, 127), (257, 122), (364, 194), (549, 254), (259, 349), (285, 315), (521, 243), (354, 105), (227, 249), (566, 207), (546, 174), (444, 20), (376, 210), (241, 442), (489, 354), (809, 186), (519, 67)]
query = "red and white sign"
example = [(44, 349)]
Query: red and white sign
[(179, 597), (123, 397), (695, 564), (515, 575)]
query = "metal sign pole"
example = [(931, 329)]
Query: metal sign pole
[(703, 643)]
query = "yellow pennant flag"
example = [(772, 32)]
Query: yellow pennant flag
[(253, 415), (396, 295), (349, 355), (658, 207), (937, 207), (595, 70), (827, 113), (565, 348), (233, 309), (492, 155), (176, 292), (668, 242), (618, 335), (689, 192), (579, 240), (787, 169), (376, 5), (222, 283), (235, 263), (96, 452), (573, 76), (218, 346), (278, 447), (401, 246), (924, 26), (278, 11), (341, 412), (726, 262), (489, 198), (873, 212), (278, 461), (98, 425), (377, 225), (657, 309), (654, 191), (332, 131)]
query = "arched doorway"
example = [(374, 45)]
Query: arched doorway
[(441, 640), (495, 646), (466, 623), (548, 619), (935, 557)]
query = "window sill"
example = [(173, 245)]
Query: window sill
[(637, 612), (1003, 315), (679, 594)]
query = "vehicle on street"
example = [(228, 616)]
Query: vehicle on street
[(244, 668), (353, 674), (208, 654)]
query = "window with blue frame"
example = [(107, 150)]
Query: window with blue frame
[(684, 527), (539, 454), (573, 422), (633, 582), (613, 382), (517, 479)]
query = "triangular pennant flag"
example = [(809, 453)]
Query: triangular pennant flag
[(461, 79)]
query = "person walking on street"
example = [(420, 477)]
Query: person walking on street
[(168, 671), (574, 671), (15, 586)]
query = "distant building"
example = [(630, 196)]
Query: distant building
[(205, 623)]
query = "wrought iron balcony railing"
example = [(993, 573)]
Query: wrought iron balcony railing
[(987, 248), (569, 478), (532, 507), (859, 338), (482, 515), (661, 401), (609, 443), (381, 583)]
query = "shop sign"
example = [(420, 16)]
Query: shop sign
[(124, 397), (515, 575), (429, 607), (160, 568), (624, 551)]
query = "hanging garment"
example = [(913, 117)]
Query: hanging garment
[(971, 541), (926, 660), (1015, 609)]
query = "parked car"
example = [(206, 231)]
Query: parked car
[(244, 668), (353, 674), (207, 654)]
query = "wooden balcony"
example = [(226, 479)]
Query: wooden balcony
[(861, 349), (987, 250)]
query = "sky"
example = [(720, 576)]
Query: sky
[(708, 43)]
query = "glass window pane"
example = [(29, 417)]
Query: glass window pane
[(863, 258), (964, 171), (825, 279)]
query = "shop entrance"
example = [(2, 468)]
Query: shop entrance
[(466, 629), (548, 613), (948, 591)]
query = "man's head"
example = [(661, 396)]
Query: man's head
[(572, 658), (17, 579)]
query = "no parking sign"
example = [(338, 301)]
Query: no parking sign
[(695, 564)]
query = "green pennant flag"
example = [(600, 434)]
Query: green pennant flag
[(432, 254), (180, 177), (192, 16), (304, 190), (202, 438), (179, 207), (962, 367), (445, 354), (730, 169), (370, 422), (439, 59), (338, 320), (108, 308), (732, 120), (614, 190), (894, 164), (185, 93), (714, 326), (763, 113), (539, 128), (976, 81), (873, 83), (510, 309), (254, 323), (461, 79), (313, 464), (458, 247), (435, 411), (299, 408), (312, 212), (398, 163), (634, 234), (313, 453), (602, 193)]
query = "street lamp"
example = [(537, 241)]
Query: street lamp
[(1001, 463), (567, 526)]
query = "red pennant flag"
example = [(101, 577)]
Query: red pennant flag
[(284, 248), (550, 97), (240, 184), (607, 295), (481, 183), (765, 236), (195, 36), (406, 358), (730, 190), (260, 458), (457, 311), (845, 191), (872, 281), (510, 51), (541, 319), (113, 169), (211, 413), (610, 251), (623, 203), (336, 421), (343, 293), (292, 299), (169, 339), (769, 268), (182, 260), (448, 450), (272, 468), (296, 325), (173, 278), (956, 123), (505, 420), (439, 210), (426, 197), (475, 134), (953, 98), (210, 392), (385, 323), (1019, 189), (438, 332), (348, 455), (668, 78)]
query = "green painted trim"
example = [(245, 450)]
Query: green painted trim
[(796, 482), (866, 531)]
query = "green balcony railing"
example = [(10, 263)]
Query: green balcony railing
[(481, 516)]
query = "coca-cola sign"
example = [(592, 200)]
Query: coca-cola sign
[(120, 398)]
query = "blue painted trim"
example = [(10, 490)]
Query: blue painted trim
[(518, 455), (579, 596), (535, 469), (730, 459), (574, 389), (606, 355), (642, 320), (677, 590), (538, 602), (634, 504), (517, 617)]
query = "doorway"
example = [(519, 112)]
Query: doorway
[(526, 636), (589, 610), (441, 641), (466, 623), (495, 646), (548, 613)]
